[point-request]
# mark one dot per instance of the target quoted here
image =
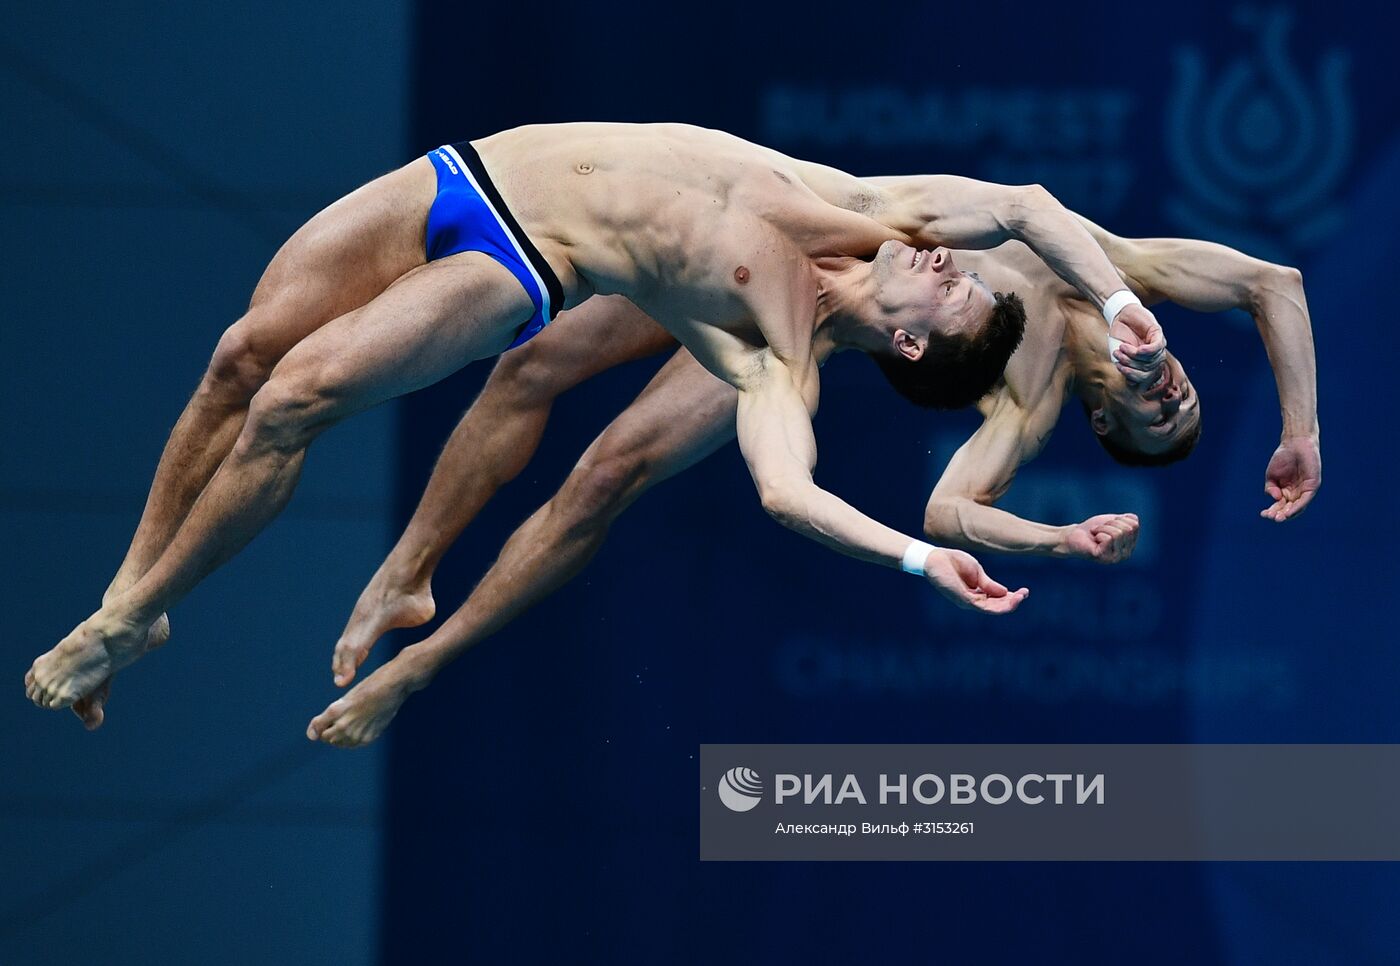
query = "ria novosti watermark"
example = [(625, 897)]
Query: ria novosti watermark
[(740, 789), (1049, 802)]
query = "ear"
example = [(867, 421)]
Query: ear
[(1099, 419), (908, 345)]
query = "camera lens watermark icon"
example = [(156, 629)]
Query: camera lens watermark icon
[(740, 789)]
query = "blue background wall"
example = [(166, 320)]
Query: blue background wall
[(538, 803), (154, 156), (542, 793)]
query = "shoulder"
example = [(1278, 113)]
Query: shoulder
[(1009, 422)]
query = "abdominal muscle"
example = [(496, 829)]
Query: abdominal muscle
[(665, 214)]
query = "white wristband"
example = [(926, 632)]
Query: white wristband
[(915, 557), (1117, 302)]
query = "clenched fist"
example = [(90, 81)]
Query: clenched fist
[(1106, 538)]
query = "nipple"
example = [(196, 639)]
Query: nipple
[(741, 274)]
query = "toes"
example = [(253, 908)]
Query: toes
[(347, 660), (353, 738), (90, 710), (322, 723), (65, 698), (333, 727)]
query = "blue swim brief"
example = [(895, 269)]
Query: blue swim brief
[(468, 215)]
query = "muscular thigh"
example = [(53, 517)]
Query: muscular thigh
[(346, 255), (603, 332), (426, 325)]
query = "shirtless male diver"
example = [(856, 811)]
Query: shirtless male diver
[(738, 251), (685, 414)]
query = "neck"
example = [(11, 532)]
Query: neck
[(845, 294), (1086, 345)]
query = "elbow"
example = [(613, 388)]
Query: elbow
[(1036, 195), (1272, 281), (1282, 278), (942, 521), (1027, 202), (782, 500)]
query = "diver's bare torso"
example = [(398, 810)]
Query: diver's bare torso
[(1038, 376), (702, 230)]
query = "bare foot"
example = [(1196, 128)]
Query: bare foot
[(96, 649), (90, 709), (385, 605), (363, 714)]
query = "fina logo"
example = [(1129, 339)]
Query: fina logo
[(740, 789), (1259, 152)]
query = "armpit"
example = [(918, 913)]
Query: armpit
[(863, 202)]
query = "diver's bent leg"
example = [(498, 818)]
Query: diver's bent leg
[(344, 256), (341, 258), (426, 326), (682, 416), (200, 440), (198, 443), (491, 445)]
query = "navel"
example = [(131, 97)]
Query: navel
[(584, 167)]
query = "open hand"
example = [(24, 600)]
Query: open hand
[(1293, 476), (960, 578), (1141, 346), (1106, 538)]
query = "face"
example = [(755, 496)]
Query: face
[(1153, 417), (922, 291)]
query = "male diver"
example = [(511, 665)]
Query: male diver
[(685, 414), (739, 252)]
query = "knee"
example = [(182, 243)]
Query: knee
[(602, 485), (528, 375), (241, 364), (284, 415)]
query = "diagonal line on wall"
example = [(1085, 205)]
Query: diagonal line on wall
[(97, 872), (33, 499), (144, 811), (146, 146), (35, 194)]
